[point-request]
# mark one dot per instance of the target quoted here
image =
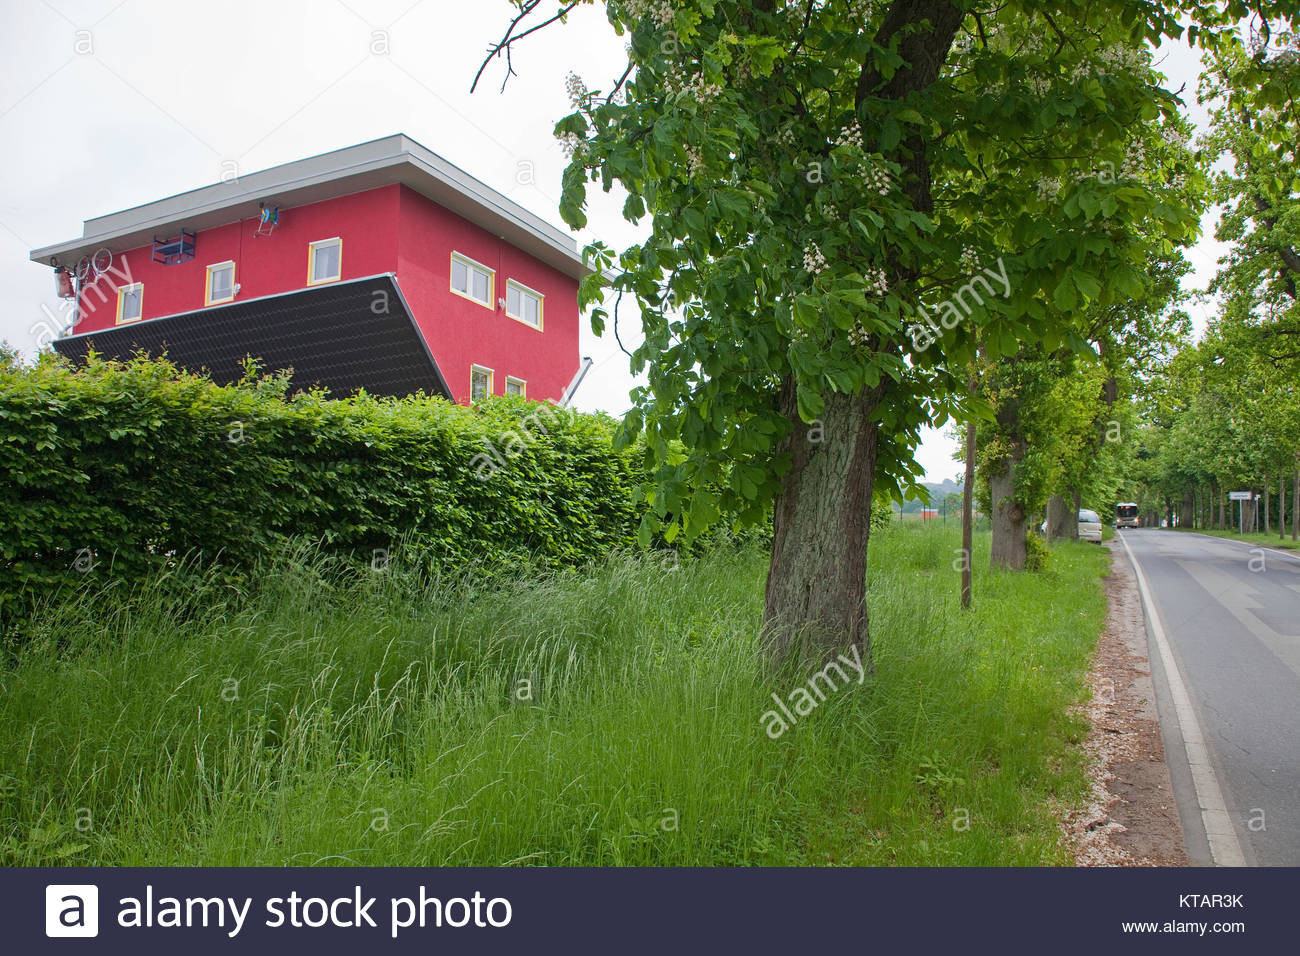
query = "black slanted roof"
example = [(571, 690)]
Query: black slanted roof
[(345, 336)]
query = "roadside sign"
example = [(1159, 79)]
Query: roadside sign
[(1240, 496)]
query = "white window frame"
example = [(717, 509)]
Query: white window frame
[(470, 265), (525, 290), (491, 380), (311, 260), (208, 298), (523, 385), (122, 292)]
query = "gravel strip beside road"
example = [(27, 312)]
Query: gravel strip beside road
[(1131, 818)]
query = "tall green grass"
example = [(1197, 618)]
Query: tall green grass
[(608, 717)]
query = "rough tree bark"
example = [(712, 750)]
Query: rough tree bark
[(815, 603), (1057, 511), (1009, 550)]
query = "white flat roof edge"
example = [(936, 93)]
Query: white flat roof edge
[(335, 166)]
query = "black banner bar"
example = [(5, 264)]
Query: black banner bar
[(515, 911)]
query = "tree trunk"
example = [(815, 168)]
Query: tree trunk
[(1222, 526), (1295, 500), (1267, 505), (815, 603), (1072, 519), (1009, 549), (1169, 512), (1057, 509), (1281, 505)]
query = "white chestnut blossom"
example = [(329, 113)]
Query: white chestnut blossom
[(877, 282), (694, 162), (878, 177), (813, 260), (862, 10), (569, 143), (850, 136), (659, 12), (1114, 59), (696, 88), (576, 88)]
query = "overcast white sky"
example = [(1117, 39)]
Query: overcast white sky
[(106, 104)]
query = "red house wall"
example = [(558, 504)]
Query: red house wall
[(461, 332), (389, 229), (267, 265)]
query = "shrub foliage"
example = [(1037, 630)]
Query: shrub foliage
[(114, 469)]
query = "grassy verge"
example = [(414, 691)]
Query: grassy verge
[(606, 718), (1268, 540)]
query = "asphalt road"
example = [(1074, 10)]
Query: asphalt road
[(1231, 616)]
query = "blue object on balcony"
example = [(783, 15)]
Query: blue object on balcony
[(171, 251)]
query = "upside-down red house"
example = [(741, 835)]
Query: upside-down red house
[(380, 267)]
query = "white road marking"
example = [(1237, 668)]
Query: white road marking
[(1224, 846)]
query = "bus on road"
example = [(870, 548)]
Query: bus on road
[(1126, 515)]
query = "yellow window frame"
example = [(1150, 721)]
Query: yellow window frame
[(474, 263), (312, 248), (491, 380), (541, 305), (207, 287), (137, 287)]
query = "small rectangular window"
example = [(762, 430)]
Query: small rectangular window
[(471, 279), (480, 383), (516, 386), (130, 302), (325, 261), (221, 283), (524, 304)]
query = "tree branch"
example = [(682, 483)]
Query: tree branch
[(510, 37)]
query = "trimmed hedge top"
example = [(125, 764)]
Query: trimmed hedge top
[(119, 468)]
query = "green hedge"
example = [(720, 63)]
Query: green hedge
[(115, 469)]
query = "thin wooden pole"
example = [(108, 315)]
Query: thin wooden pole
[(967, 508)]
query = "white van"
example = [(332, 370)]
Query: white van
[(1089, 526)]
